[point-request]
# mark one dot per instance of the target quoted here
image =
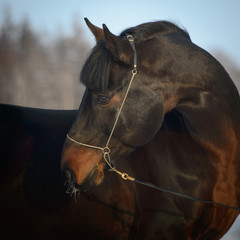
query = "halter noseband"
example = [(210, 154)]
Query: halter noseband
[(106, 150)]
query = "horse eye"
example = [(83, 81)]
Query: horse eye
[(103, 100)]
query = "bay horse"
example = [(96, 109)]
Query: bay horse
[(177, 131), (160, 111)]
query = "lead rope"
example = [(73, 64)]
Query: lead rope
[(106, 150)]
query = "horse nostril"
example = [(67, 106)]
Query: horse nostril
[(70, 182), (70, 176)]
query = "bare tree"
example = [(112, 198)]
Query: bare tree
[(39, 73)]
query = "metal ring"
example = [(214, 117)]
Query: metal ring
[(125, 176), (134, 71)]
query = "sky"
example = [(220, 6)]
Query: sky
[(212, 24)]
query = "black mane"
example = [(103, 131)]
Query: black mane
[(150, 30), (95, 72)]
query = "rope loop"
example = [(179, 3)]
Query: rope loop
[(130, 38), (106, 150), (134, 71)]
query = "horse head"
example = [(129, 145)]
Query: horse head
[(106, 75)]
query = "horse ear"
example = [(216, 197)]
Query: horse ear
[(119, 47), (97, 32)]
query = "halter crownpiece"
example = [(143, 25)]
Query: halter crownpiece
[(131, 41)]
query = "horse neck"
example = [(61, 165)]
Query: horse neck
[(206, 116)]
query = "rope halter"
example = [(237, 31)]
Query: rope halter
[(106, 150)]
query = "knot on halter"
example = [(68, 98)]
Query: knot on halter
[(107, 158), (106, 150)]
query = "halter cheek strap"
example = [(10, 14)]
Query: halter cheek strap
[(106, 150)]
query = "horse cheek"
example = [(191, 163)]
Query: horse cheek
[(139, 132)]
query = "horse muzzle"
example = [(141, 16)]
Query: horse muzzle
[(83, 168)]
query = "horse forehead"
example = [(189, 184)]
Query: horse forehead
[(119, 76)]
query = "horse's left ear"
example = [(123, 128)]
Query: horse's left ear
[(119, 47), (97, 32)]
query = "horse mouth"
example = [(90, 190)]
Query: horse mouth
[(93, 179)]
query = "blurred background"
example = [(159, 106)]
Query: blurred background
[(43, 44)]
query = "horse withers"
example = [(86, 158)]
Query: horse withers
[(159, 109)]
